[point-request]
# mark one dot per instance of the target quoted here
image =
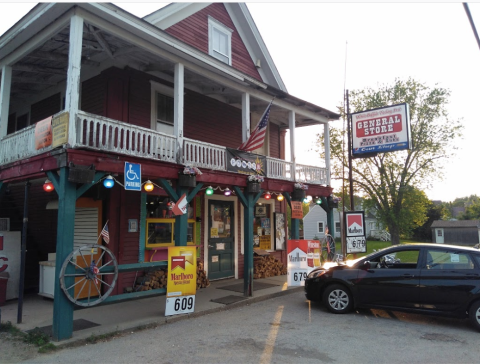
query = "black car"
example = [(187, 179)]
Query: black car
[(422, 278)]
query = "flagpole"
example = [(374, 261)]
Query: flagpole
[(101, 232)]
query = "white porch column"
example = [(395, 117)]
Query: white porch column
[(326, 140), (178, 107), (291, 126), (245, 116), (72, 94), (5, 87)]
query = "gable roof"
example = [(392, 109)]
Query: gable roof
[(248, 31), (456, 223)]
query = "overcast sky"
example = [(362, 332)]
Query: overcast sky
[(322, 48)]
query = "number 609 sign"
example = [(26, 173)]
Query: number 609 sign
[(181, 304)]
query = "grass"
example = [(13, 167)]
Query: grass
[(375, 245), (35, 337)]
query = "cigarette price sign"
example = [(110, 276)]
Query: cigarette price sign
[(355, 232)]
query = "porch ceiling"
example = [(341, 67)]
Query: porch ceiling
[(46, 67)]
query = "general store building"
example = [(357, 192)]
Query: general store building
[(89, 91)]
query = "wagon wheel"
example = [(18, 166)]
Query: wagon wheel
[(90, 275)]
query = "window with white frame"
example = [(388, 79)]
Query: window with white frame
[(338, 228), (219, 41), (320, 227), (162, 115)]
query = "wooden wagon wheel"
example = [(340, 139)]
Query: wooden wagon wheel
[(90, 275)]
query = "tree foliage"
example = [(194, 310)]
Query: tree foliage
[(394, 180)]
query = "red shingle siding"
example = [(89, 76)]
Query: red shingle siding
[(274, 135), (194, 31), (45, 108), (140, 98), (93, 96)]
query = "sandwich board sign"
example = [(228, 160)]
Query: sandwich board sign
[(355, 232)]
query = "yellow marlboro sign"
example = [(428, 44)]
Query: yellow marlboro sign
[(182, 271)]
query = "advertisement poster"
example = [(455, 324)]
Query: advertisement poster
[(60, 130), (297, 210), (246, 163), (279, 230), (43, 133), (355, 232), (182, 280), (302, 257), (385, 129)]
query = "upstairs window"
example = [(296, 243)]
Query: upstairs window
[(162, 108), (219, 41)]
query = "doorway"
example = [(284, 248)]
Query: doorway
[(439, 236), (221, 239)]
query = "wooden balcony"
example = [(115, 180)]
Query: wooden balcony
[(99, 133)]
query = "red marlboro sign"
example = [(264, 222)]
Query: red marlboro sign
[(178, 261), (355, 223)]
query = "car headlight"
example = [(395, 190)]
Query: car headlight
[(315, 274)]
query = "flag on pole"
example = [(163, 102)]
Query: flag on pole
[(105, 234), (257, 137)]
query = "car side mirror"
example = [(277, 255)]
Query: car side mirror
[(365, 265)]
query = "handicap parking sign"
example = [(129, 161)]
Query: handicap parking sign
[(133, 177)]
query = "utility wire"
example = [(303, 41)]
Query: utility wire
[(467, 10)]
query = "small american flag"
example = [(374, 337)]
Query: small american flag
[(257, 137), (105, 234)]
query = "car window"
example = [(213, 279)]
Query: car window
[(403, 259), (448, 259)]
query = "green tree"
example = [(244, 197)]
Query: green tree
[(434, 212), (388, 178), (472, 211)]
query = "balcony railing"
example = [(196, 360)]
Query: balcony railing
[(108, 135)]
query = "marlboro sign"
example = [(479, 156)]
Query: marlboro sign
[(355, 232)]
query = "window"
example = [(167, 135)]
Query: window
[(338, 228), (403, 259), (219, 41), (162, 119), (448, 259), (320, 227)]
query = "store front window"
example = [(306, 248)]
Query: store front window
[(262, 226)]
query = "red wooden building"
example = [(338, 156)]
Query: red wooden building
[(184, 86)]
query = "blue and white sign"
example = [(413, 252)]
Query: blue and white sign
[(133, 177)]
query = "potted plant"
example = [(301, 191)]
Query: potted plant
[(333, 201), (187, 177), (253, 183), (299, 191)]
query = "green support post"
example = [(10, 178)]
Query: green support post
[(181, 221), (62, 307), (330, 217), (248, 201), (295, 223)]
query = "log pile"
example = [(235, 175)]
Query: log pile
[(202, 280), (152, 280), (267, 266)]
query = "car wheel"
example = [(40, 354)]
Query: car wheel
[(474, 314), (338, 299)]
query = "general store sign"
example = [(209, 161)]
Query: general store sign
[(386, 129)]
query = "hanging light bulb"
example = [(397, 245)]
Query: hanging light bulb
[(48, 186), (305, 200), (280, 197), (148, 186), (318, 201), (209, 191), (227, 192), (108, 182), (268, 196)]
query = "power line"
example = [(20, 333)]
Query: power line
[(467, 10)]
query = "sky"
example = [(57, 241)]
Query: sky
[(322, 48)]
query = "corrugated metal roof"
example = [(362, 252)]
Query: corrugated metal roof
[(456, 223)]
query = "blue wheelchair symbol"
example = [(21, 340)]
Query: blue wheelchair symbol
[(133, 177)]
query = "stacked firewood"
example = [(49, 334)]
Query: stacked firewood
[(202, 280), (267, 266), (152, 280)]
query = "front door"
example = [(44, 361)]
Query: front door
[(221, 235), (439, 236)]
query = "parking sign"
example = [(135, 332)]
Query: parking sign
[(133, 177)]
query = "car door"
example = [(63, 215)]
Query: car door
[(448, 278), (393, 284)]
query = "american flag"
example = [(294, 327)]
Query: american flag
[(257, 137), (105, 234)]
